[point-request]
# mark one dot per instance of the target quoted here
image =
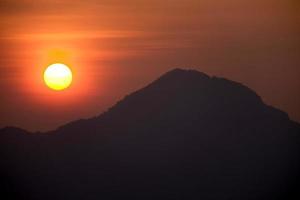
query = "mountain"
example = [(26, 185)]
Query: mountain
[(184, 136)]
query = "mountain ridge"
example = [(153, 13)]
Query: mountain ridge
[(176, 73), (184, 136)]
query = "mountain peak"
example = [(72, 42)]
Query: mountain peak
[(187, 82), (185, 72), (178, 94), (181, 94), (181, 75)]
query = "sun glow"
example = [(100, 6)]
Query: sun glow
[(58, 76)]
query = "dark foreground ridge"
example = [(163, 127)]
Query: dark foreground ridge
[(184, 136)]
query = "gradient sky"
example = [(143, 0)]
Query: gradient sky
[(115, 47)]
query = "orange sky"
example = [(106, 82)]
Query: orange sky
[(117, 46)]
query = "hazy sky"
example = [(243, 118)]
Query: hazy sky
[(115, 47)]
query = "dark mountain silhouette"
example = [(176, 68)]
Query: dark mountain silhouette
[(184, 136)]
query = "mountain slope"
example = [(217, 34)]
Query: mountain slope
[(184, 136)]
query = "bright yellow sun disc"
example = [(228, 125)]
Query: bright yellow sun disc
[(58, 76)]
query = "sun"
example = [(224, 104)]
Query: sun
[(58, 76)]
